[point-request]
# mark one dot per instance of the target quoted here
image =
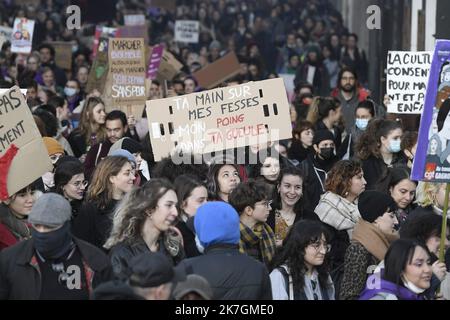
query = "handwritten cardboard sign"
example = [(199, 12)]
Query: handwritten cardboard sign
[(127, 69), (407, 78), (187, 31), (169, 66), (17, 128), (219, 119), (22, 36), (218, 72)]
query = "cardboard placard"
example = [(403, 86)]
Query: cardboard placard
[(127, 70), (17, 127), (169, 66), (134, 19), (432, 159), (63, 54), (218, 72), (187, 31), (99, 72), (101, 39), (3, 91), (22, 36), (407, 78), (162, 4), (219, 119), (6, 32), (155, 61)]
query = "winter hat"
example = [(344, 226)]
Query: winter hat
[(132, 146), (217, 222), (193, 283), (123, 153), (52, 146), (51, 210), (322, 135), (374, 204), (215, 45)]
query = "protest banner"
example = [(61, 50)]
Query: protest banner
[(22, 36), (101, 39), (219, 119), (432, 160), (407, 78), (127, 70), (23, 155), (155, 61), (162, 4), (134, 20), (3, 91), (63, 54), (218, 72), (187, 31), (169, 66)]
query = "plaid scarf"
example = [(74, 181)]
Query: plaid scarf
[(338, 212), (258, 242)]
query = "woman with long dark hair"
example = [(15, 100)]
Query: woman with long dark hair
[(299, 269)]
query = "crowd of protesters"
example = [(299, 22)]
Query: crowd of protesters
[(330, 214)]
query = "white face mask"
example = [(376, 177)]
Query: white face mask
[(411, 286)]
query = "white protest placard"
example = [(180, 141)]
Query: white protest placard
[(219, 119), (134, 19), (187, 31), (22, 36), (22, 149), (407, 79), (5, 35), (3, 91)]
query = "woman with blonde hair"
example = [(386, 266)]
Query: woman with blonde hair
[(112, 179), (430, 198), (91, 129), (143, 222)]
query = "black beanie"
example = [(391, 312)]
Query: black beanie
[(374, 204), (322, 135)]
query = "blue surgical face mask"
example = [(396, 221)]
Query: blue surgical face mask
[(362, 124), (395, 146), (69, 92)]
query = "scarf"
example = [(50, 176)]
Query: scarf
[(338, 212), (16, 226), (260, 237), (373, 239)]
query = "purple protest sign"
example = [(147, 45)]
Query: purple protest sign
[(155, 61), (432, 159)]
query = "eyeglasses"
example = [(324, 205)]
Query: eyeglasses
[(267, 204), (314, 286), (80, 184), (317, 246)]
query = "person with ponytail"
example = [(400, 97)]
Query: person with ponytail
[(325, 114), (379, 148)]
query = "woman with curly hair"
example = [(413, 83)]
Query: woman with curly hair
[(92, 127), (379, 148), (338, 210), (299, 269), (112, 179), (143, 222)]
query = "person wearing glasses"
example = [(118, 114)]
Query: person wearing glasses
[(144, 222), (13, 216), (299, 269), (70, 182), (372, 236), (112, 180), (257, 237)]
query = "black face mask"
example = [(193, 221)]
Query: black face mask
[(327, 153), (54, 244)]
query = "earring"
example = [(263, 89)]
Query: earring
[(346, 194)]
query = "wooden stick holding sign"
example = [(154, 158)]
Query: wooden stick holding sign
[(444, 225)]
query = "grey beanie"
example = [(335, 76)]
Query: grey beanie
[(51, 209)]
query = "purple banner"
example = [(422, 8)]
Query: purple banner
[(432, 160), (155, 61)]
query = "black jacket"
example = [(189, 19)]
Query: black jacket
[(231, 274), (94, 224), (20, 277), (190, 248), (122, 253), (375, 168)]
